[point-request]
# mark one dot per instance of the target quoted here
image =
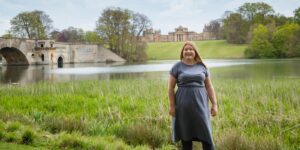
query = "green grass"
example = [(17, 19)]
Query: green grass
[(207, 49), (133, 114), (13, 146)]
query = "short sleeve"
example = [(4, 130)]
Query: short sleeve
[(207, 73), (174, 70)]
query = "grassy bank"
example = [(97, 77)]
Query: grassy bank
[(207, 49), (133, 114)]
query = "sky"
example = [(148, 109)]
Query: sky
[(165, 15)]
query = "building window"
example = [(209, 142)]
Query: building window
[(42, 57), (42, 45)]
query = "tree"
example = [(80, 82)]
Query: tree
[(215, 28), (260, 46), (236, 28), (280, 20), (250, 10), (43, 24), (286, 40), (8, 35), (297, 15), (92, 37), (72, 35), (293, 45), (139, 23), (32, 25), (121, 30), (112, 25), (55, 34)]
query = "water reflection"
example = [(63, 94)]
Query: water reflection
[(13, 74), (286, 68), (283, 68)]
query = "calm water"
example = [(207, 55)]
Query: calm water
[(236, 68)]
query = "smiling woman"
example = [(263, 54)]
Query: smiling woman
[(189, 105)]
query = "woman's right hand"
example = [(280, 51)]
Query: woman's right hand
[(172, 111)]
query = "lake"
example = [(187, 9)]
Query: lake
[(219, 68)]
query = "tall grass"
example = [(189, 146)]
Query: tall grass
[(133, 114)]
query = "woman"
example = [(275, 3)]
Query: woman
[(189, 106)]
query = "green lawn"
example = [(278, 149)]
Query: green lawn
[(207, 49)]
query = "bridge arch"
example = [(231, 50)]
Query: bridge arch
[(13, 56), (60, 61)]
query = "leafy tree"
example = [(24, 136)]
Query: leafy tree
[(297, 15), (43, 24), (92, 37), (8, 35), (113, 25), (55, 35), (121, 30), (72, 35), (237, 25), (250, 10), (286, 40), (260, 46), (139, 23), (215, 28), (236, 28), (32, 25), (20, 25), (293, 45), (280, 20)]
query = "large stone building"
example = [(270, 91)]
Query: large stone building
[(180, 34)]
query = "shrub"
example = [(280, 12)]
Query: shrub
[(1, 135), (140, 134), (71, 142), (235, 140), (56, 125), (27, 137), (11, 137), (12, 127)]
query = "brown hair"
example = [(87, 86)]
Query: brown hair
[(198, 59)]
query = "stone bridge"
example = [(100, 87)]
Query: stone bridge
[(28, 52)]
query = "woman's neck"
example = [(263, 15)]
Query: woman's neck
[(189, 61)]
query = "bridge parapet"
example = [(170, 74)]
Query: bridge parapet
[(44, 48), (44, 43), (24, 52)]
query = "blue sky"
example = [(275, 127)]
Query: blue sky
[(164, 14)]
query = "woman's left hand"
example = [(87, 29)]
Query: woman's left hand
[(214, 110)]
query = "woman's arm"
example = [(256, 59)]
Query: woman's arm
[(171, 95), (212, 96)]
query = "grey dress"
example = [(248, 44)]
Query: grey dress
[(192, 118)]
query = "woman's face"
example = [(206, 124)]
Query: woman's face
[(188, 52)]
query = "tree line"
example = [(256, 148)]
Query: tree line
[(117, 29), (268, 34)]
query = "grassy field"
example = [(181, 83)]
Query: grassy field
[(207, 49), (133, 114)]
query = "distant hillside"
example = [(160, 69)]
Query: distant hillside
[(207, 49)]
